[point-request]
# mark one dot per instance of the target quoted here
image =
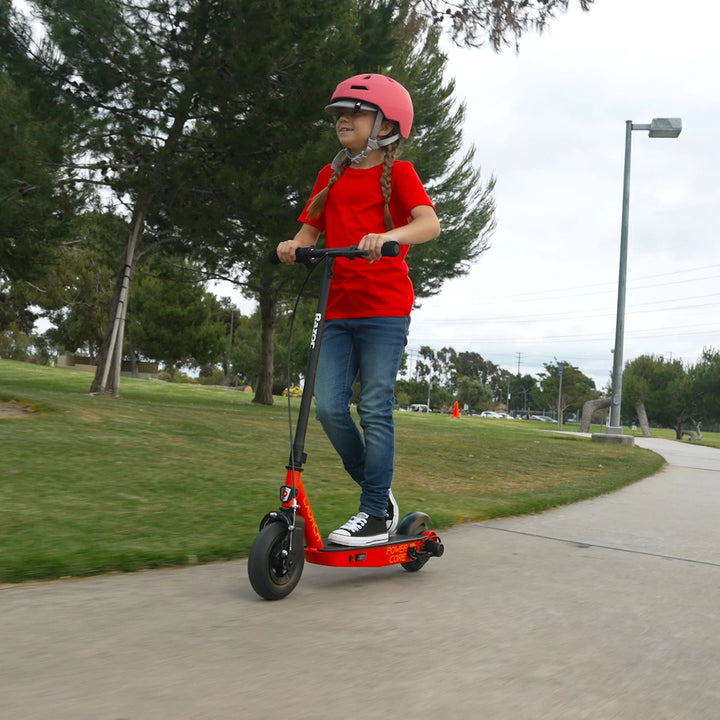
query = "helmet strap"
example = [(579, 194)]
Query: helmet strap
[(373, 143)]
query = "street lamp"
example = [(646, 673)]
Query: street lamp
[(658, 128)]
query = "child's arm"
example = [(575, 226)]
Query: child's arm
[(306, 235), (424, 226)]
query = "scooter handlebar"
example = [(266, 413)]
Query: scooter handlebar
[(308, 253)]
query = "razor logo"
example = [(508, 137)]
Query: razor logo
[(287, 493), (316, 325)]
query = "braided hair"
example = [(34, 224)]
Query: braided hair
[(390, 151), (317, 203)]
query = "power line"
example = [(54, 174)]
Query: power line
[(582, 289), (481, 333), (676, 305), (677, 331)]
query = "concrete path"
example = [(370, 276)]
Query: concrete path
[(605, 609)]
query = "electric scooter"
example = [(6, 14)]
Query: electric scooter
[(290, 535)]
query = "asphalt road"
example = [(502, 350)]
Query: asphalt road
[(604, 609)]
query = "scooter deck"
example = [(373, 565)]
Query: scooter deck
[(393, 552), (392, 540)]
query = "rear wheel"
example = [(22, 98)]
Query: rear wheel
[(414, 524), (273, 569)]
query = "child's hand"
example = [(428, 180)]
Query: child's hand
[(373, 243), (306, 235), (286, 251)]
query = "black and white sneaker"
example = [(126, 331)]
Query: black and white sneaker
[(392, 514), (361, 529)]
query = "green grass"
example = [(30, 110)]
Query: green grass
[(175, 474)]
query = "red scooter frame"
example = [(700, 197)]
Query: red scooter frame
[(290, 535)]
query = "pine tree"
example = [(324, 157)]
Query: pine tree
[(199, 119), (499, 23), (34, 207), (173, 319), (464, 204), (412, 55)]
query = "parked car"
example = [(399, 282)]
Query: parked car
[(420, 407), (490, 414)]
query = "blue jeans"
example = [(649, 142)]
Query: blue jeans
[(370, 348)]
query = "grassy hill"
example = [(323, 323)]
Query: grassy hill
[(176, 474)]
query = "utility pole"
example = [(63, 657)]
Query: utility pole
[(560, 376)]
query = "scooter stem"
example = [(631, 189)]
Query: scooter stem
[(298, 455)]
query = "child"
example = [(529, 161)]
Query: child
[(366, 198)]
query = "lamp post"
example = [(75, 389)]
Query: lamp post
[(658, 128)]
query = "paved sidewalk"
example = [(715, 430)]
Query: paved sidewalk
[(609, 608)]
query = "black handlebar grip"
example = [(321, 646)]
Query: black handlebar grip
[(301, 255), (390, 249)]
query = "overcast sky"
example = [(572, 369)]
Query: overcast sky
[(549, 124)]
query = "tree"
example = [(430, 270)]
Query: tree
[(465, 206), (577, 388), (523, 390), (408, 392), (145, 80), (706, 382), (466, 374), (295, 154), (430, 365), (464, 203), (472, 393), (80, 283), (269, 168), (173, 319), (663, 388), (246, 357), (497, 22), (170, 97), (473, 365), (33, 209)]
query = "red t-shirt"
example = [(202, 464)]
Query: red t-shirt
[(355, 207)]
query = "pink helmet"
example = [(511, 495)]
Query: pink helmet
[(375, 92)]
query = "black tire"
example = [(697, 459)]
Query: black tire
[(414, 524), (272, 575)]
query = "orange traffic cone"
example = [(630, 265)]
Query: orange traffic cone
[(456, 409)]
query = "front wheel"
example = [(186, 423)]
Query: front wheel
[(274, 570)]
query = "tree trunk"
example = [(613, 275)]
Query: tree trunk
[(698, 429), (226, 364), (266, 302), (643, 419), (107, 375), (692, 436), (102, 355), (134, 363), (589, 408), (679, 430)]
